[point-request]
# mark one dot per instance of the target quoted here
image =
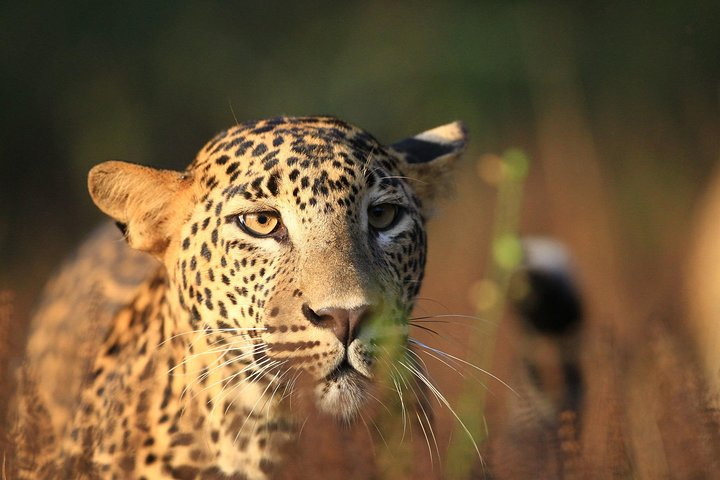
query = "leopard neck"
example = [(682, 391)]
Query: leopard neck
[(228, 385)]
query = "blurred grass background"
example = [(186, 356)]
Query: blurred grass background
[(616, 103)]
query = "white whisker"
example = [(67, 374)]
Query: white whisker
[(427, 440), (262, 395), (367, 429), (452, 315), (228, 380), (441, 398), (464, 362), (462, 375), (210, 331)]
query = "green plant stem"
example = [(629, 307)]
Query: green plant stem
[(505, 256)]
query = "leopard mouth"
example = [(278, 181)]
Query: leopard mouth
[(345, 370), (342, 392)]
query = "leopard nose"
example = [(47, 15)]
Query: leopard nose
[(345, 323)]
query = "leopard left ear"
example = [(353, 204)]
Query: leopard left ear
[(429, 159), (146, 202)]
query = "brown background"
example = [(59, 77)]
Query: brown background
[(616, 105)]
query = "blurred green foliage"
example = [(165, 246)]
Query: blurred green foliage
[(505, 257)]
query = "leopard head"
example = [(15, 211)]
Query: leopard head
[(298, 242)]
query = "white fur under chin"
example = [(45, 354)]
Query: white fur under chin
[(342, 397)]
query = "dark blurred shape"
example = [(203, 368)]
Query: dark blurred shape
[(542, 434), (546, 296), (544, 291)]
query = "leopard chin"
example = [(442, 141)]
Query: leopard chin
[(342, 393)]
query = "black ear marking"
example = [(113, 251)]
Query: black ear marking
[(443, 141), (423, 151)]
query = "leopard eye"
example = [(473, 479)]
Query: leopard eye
[(260, 224), (383, 216)]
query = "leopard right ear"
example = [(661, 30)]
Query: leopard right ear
[(429, 158), (146, 201)]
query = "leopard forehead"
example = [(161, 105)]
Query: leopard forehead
[(317, 160)]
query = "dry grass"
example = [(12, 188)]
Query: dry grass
[(6, 382), (645, 415)]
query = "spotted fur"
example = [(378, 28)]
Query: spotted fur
[(186, 378)]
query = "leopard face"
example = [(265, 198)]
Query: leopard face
[(295, 246)]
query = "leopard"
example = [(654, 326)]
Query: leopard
[(283, 262)]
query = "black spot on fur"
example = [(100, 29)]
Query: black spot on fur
[(243, 148), (232, 167), (259, 150), (270, 164), (114, 349), (272, 184), (205, 252)]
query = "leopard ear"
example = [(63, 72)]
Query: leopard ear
[(146, 202), (429, 159)]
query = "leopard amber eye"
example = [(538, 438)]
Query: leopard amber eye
[(383, 216), (260, 224)]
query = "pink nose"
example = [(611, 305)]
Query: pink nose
[(344, 323)]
